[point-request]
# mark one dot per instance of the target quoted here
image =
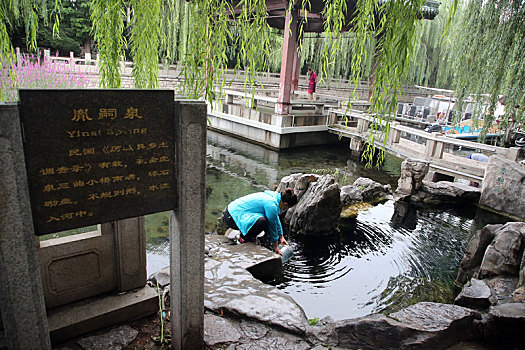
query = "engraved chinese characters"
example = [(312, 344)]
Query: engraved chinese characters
[(95, 156)]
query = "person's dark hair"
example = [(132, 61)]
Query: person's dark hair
[(289, 197), (309, 69)]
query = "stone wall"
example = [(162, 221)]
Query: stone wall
[(504, 186)]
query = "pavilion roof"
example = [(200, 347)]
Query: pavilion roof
[(276, 13)]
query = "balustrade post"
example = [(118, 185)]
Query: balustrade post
[(430, 148), (512, 153), (18, 56), (394, 135), (439, 148), (362, 125), (71, 59)]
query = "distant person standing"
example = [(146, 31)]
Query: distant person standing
[(312, 83)]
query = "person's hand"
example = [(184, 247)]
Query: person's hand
[(276, 248), (283, 241)]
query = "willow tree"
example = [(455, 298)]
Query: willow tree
[(488, 50), (429, 63), (487, 56)]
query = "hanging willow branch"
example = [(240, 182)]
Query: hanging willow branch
[(489, 57), (485, 57), (145, 40), (108, 27)]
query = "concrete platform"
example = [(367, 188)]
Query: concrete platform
[(85, 316)]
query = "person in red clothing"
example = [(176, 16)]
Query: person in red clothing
[(312, 83)]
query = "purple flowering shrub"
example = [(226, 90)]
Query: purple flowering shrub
[(37, 72)]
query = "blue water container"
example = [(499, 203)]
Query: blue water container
[(287, 253)]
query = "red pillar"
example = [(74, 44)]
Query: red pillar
[(285, 85)]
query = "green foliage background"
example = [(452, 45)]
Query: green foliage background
[(481, 53)]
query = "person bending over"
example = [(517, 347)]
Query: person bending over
[(259, 212)]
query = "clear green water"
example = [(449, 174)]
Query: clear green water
[(379, 263)]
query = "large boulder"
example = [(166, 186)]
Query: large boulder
[(501, 289), (420, 326), (504, 325), (351, 194), (519, 293), (288, 181), (370, 189), (445, 192), (475, 251), (229, 288), (318, 210), (412, 173), (495, 254), (503, 186), (503, 256), (475, 295), (300, 183)]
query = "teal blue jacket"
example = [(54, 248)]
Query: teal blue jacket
[(246, 210)]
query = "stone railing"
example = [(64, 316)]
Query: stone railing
[(170, 78), (448, 156)]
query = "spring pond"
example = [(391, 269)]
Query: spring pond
[(380, 263)]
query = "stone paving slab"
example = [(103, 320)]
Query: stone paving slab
[(230, 285), (261, 262), (236, 334), (85, 316), (230, 288)]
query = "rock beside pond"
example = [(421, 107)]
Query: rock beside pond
[(412, 188), (371, 190), (501, 289), (350, 195), (231, 289), (503, 187), (445, 192), (475, 251), (476, 295), (300, 183), (504, 325), (495, 255), (420, 326), (363, 189), (324, 332), (320, 201), (318, 210), (412, 173), (504, 254)]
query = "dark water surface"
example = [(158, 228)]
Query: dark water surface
[(382, 262)]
